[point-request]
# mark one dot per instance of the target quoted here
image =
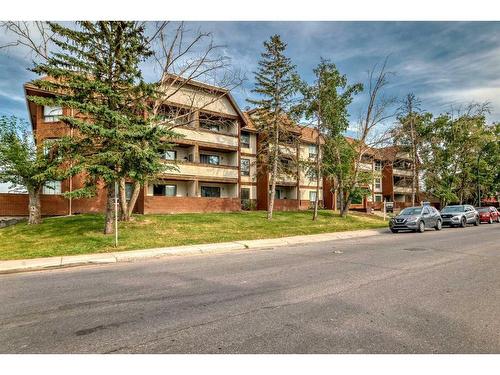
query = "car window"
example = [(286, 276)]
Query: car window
[(426, 211)]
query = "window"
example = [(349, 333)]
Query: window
[(52, 188), (165, 190), (313, 151), (51, 114), (210, 159), (210, 191), (168, 155), (245, 167), (245, 193), (129, 188), (312, 196), (378, 198), (245, 140), (277, 194), (48, 144), (378, 165), (378, 183)]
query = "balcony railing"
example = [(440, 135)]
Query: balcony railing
[(207, 136), (402, 189), (402, 172), (202, 170)]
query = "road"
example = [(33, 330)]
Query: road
[(436, 292)]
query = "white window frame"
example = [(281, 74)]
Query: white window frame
[(52, 188), (245, 172), (312, 196), (314, 149), (51, 114), (375, 196), (377, 181), (378, 165)]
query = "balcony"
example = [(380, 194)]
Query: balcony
[(402, 172), (402, 189), (201, 171), (207, 136), (365, 167)]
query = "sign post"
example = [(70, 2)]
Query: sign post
[(116, 214)]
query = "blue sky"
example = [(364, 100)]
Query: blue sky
[(443, 63)]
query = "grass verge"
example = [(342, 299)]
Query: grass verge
[(82, 234)]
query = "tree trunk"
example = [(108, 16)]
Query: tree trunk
[(133, 199), (274, 172), (122, 193), (35, 207), (110, 209), (318, 174), (345, 208)]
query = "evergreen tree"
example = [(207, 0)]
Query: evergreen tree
[(276, 85), (95, 75)]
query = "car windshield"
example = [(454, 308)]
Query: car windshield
[(483, 209), (412, 211), (453, 209)]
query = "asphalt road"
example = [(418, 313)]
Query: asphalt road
[(436, 292)]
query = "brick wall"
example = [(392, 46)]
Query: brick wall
[(168, 205), (17, 205), (286, 204)]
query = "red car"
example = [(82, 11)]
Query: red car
[(488, 214)]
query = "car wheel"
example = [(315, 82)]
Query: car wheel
[(476, 223), (421, 227), (394, 230), (439, 225), (463, 222)]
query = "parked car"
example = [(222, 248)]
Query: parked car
[(416, 219), (488, 214), (459, 215)]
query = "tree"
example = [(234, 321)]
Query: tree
[(276, 85), (370, 132), (409, 135), (26, 166), (325, 104), (95, 74), (452, 153)]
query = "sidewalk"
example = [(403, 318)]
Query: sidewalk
[(12, 266)]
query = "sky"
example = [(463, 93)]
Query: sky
[(442, 63)]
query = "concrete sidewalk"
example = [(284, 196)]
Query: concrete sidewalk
[(12, 266)]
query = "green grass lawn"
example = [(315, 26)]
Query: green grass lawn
[(82, 234)]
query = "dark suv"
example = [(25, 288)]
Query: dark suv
[(459, 215), (416, 219)]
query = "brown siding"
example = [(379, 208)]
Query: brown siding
[(287, 204)]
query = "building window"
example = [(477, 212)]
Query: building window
[(245, 140), (48, 144), (378, 183), (164, 190), (313, 151), (51, 114), (168, 154), (129, 189), (210, 159), (312, 196), (378, 165), (277, 194), (378, 198), (245, 167), (210, 191), (52, 188), (245, 193)]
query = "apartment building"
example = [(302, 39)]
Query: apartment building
[(214, 165)]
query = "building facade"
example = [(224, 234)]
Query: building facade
[(214, 165)]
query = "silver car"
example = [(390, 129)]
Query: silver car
[(459, 215), (416, 219)]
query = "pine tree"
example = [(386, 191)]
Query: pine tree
[(276, 85), (96, 75)]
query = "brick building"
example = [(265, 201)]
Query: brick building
[(214, 166)]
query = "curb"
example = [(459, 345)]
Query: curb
[(23, 265)]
